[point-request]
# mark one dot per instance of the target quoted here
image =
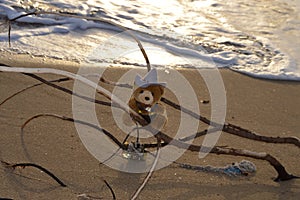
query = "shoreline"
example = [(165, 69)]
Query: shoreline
[(17, 60), (267, 107)]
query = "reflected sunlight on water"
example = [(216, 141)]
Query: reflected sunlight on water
[(256, 37)]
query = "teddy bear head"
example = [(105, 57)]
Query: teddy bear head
[(146, 96), (149, 95), (148, 90)]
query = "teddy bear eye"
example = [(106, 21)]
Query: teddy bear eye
[(152, 94), (142, 91)]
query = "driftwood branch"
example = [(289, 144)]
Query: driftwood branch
[(110, 189), (107, 133), (146, 179), (282, 173), (23, 165), (230, 128), (125, 85), (32, 86)]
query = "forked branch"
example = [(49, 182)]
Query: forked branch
[(230, 128), (281, 171)]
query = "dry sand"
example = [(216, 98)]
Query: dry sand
[(264, 106)]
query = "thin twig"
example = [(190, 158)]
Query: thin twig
[(110, 188), (125, 85), (115, 153), (107, 133), (29, 87), (9, 30), (23, 165), (145, 181), (198, 134)]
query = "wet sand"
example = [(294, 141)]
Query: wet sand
[(263, 106)]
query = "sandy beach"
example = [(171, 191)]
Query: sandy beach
[(266, 107)]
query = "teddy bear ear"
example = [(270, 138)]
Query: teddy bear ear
[(162, 90)]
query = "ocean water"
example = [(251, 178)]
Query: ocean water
[(260, 38)]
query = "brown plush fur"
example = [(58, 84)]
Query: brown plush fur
[(145, 101), (139, 95)]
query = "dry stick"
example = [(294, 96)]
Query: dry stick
[(232, 129), (9, 30), (87, 18), (110, 188), (199, 134), (145, 181), (236, 130), (81, 122), (115, 153), (31, 86), (282, 173), (28, 178), (70, 91), (107, 133), (23, 165), (125, 85)]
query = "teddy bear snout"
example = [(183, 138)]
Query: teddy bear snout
[(146, 97)]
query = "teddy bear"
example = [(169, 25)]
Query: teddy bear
[(145, 101)]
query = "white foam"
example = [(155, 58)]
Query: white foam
[(194, 32)]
